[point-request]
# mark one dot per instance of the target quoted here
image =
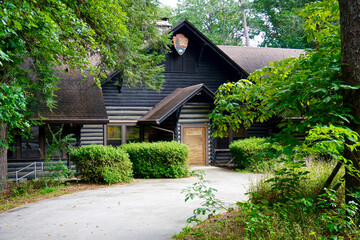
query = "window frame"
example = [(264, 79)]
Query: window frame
[(123, 131), (42, 143), (230, 137)]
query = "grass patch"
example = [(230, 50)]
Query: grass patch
[(319, 171), (34, 191)]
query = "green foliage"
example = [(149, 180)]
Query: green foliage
[(57, 143), (158, 159), (255, 154), (90, 37), (220, 21), (12, 106), (301, 219), (302, 216), (286, 180), (19, 190), (210, 204), (306, 87), (102, 164), (284, 184), (47, 190), (281, 25)]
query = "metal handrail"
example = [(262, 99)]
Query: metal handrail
[(35, 169)]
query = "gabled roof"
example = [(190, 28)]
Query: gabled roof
[(77, 101), (173, 102), (254, 58), (209, 43)]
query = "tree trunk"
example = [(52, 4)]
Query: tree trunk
[(350, 49), (246, 31), (3, 157)]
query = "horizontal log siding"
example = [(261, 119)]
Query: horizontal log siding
[(125, 114), (258, 130), (196, 114), (92, 134)]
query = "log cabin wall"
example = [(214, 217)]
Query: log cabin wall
[(92, 134)]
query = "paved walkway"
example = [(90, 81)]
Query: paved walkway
[(147, 209)]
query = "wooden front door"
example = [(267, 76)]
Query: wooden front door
[(195, 137)]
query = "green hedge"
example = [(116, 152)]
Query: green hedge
[(158, 159), (102, 164), (246, 153)]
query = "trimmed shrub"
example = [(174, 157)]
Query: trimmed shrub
[(246, 153), (102, 164), (158, 159)]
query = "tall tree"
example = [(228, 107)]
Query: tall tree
[(321, 87), (295, 87), (244, 22), (282, 26), (221, 21), (350, 47), (38, 36)]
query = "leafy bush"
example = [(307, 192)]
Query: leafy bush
[(249, 153), (158, 159), (102, 164)]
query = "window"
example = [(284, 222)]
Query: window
[(38, 143), (122, 134), (114, 135), (12, 151), (223, 143), (30, 147), (132, 134), (50, 133)]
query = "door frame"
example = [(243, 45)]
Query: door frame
[(182, 126)]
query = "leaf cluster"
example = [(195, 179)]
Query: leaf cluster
[(158, 159), (200, 189), (40, 37), (281, 24), (102, 164)]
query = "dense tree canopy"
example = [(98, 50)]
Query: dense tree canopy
[(282, 26), (311, 95), (278, 21), (306, 87), (36, 37), (220, 21)]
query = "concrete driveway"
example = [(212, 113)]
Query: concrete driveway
[(147, 209)]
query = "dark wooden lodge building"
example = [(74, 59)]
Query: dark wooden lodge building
[(117, 115)]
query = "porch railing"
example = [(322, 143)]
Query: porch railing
[(29, 173)]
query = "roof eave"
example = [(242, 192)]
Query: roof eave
[(74, 120)]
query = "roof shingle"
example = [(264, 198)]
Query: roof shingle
[(254, 58), (77, 101)]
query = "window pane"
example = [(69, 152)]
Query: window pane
[(132, 134), (50, 139), (239, 134), (30, 146), (114, 135), (12, 151), (222, 143)]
